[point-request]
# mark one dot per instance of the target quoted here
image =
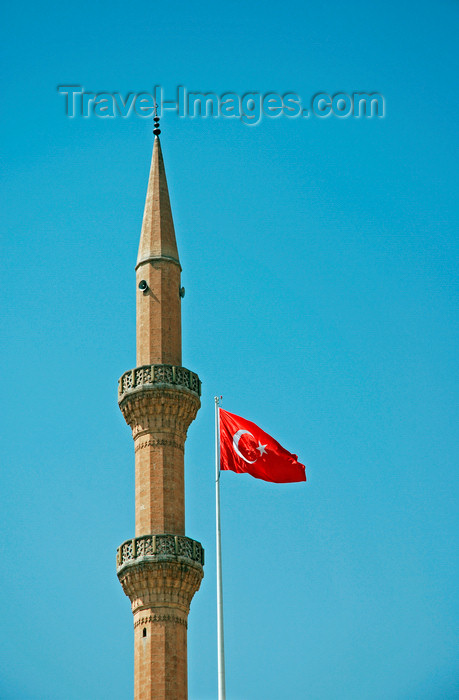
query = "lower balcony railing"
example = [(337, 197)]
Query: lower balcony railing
[(155, 546)]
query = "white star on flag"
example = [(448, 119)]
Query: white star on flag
[(261, 448)]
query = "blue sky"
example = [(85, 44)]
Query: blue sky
[(320, 264)]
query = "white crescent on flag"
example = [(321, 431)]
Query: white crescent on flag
[(236, 438)]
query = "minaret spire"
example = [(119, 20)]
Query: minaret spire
[(160, 569), (157, 238), (159, 334)]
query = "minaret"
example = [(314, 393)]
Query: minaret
[(160, 569)]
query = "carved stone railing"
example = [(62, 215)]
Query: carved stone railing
[(157, 547), (152, 375)]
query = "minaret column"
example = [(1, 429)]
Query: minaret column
[(159, 332), (161, 422), (160, 569), (159, 407)]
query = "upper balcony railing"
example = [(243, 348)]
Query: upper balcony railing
[(151, 375)]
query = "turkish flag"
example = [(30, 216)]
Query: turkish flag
[(246, 448)]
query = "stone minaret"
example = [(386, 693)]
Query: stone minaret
[(160, 569)]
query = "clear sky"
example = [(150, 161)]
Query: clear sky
[(319, 259)]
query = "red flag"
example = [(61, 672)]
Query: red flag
[(244, 447)]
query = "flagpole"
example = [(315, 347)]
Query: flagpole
[(221, 647)]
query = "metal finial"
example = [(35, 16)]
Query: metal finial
[(156, 129)]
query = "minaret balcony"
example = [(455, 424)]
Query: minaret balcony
[(156, 376), (158, 548)]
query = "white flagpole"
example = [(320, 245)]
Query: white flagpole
[(221, 647)]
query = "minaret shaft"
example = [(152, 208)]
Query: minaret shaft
[(159, 486), (160, 675), (159, 329), (160, 569)]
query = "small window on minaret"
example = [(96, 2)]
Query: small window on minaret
[(144, 631)]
